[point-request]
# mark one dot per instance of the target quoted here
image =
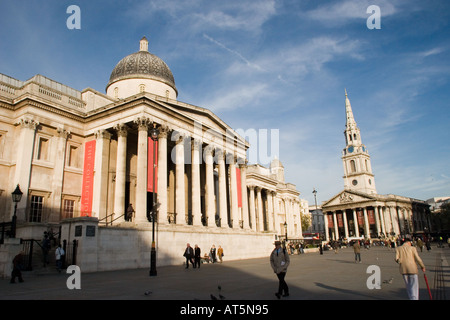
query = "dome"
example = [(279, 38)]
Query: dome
[(142, 65)]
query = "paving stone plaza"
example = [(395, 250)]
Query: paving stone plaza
[(311, 276)]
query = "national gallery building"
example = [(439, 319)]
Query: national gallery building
[(358, 210), (85, 160)]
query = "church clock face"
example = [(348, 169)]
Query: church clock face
[(354, 182), (350, 149)]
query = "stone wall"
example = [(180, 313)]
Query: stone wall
[(128, 246)]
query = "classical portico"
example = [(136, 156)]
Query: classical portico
[(359, 211), (85, 158)]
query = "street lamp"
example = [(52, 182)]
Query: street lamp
[(285, 229), (154, 136), (16, 197)]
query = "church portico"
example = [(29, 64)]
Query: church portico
[(359, 211)]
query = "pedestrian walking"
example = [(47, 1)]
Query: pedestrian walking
[(46, 245), (357, 251), (189, 254), (212, 254), (17, 267), (407, 257), (197, 256), (420, 244), (279, 261), (220, 253), (130, 212), (59, 256)]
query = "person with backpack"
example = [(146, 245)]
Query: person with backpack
[(279, 261)]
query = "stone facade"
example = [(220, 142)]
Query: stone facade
[(86, 154)]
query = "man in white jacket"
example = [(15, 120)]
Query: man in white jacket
[(59, 253), (279, 261)]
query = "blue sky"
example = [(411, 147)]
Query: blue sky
[(275, 65)]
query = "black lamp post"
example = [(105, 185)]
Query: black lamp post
[(154, 135), (16, 197), (285, 229)]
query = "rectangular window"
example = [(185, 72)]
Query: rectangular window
[(42, 152), (73, 157), (68, 209), (36, 208)]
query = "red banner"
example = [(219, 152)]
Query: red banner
[(340, 221), (239, 189), (330, 221), (360, 218), (150, 166), (88, 178), (371, 216)]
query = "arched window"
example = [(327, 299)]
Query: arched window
[(352, 166)]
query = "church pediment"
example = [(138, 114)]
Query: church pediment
[(347, 197)]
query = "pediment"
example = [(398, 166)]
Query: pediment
[(347, 197)]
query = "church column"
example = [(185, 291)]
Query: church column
[(336, 227), (24, 158), (195, 173), (344, 216), (119, 196), (382, 220), (222, 188), (233, 191), (377, 220), (142, 166), (252, 207), (100, 192), (260, 210), (180, 198), (244, 197), (355, 223), (325, 221), (58, 173), (162, 175), (366, 224), (209, 187)]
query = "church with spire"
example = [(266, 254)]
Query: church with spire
[(358, 211)]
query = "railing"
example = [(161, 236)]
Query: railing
[(6, 230), (109, 217)]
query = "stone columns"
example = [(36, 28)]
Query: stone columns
[(58, 173), (162, 175), (24, 158), (180, 198), (195, 177), (270, 210), (222, 188), (355, 222), (233, 191), (260, 209), (344, 216), (100, 192), (121, 168), (244, 197), (142, 167), (366, 224), (336, 227), (209, 187), (252, 207)]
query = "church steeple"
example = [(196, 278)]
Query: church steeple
[(356, 159), (352, 133)]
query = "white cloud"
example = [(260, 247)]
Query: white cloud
[(343, 12)]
